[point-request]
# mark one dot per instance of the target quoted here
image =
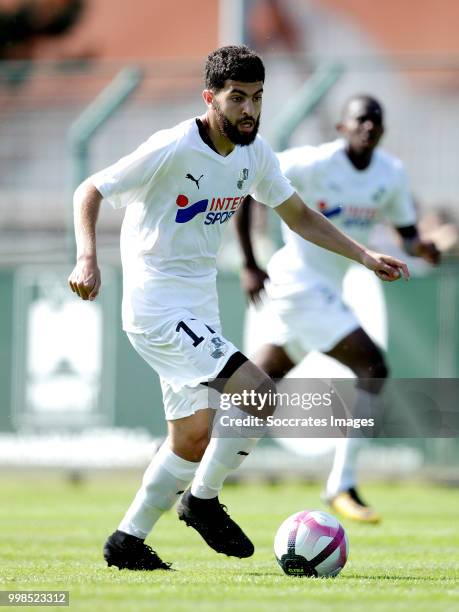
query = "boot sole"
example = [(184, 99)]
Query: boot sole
[(115, 559)]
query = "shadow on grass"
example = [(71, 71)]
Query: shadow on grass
[(358, 577), (395, 578), (264, 574)]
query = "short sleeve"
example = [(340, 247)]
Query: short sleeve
[(297, 165), (400, 209), (271, 186), (127, 180)]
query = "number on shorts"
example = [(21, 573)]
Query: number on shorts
[(196, 339)]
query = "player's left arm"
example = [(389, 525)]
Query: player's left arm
[(415, 246), (400, 210), (253, 277), (314, 227)]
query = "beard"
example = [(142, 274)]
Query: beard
[(230, 130)]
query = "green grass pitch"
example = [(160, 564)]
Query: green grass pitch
[(51, 535)]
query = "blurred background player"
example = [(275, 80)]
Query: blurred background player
[(354, 186)]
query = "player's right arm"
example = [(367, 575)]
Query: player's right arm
[(84, 279), (120, 184)]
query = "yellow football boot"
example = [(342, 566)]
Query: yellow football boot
[(350, 505)]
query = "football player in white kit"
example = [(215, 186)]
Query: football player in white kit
[(354, 185), (180, 188)]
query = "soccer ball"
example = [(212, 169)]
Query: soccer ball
[(311, 543)]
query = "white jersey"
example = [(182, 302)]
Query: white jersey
[(180, 194), (354, 200)]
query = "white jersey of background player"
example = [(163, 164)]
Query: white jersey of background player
[(355, 185), (180, 189), (353, 200)]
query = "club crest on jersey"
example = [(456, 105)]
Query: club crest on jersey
[(379, 194), (243, 176), (217, 347), (219, 210)]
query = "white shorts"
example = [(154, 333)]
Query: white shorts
[(184, 351), (315, 319)]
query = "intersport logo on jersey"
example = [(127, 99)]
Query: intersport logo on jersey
[(218, 210)]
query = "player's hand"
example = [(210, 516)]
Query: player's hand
[(427, 251), (385, 267), (253, 282), (85, 278)]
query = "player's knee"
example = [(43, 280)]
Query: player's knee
[(199, 448), (251, 390), (197, 445), (265, 398), (375, 368), (273, 360), (193, 446), (380, 370), (194, 452), (373, 375)]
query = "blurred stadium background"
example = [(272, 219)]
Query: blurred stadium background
[(83, 82)]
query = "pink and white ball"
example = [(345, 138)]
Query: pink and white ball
[(311, 543)]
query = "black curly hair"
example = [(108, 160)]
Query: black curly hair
[(235, 62)]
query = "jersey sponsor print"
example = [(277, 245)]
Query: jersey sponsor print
[(219, 209)]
